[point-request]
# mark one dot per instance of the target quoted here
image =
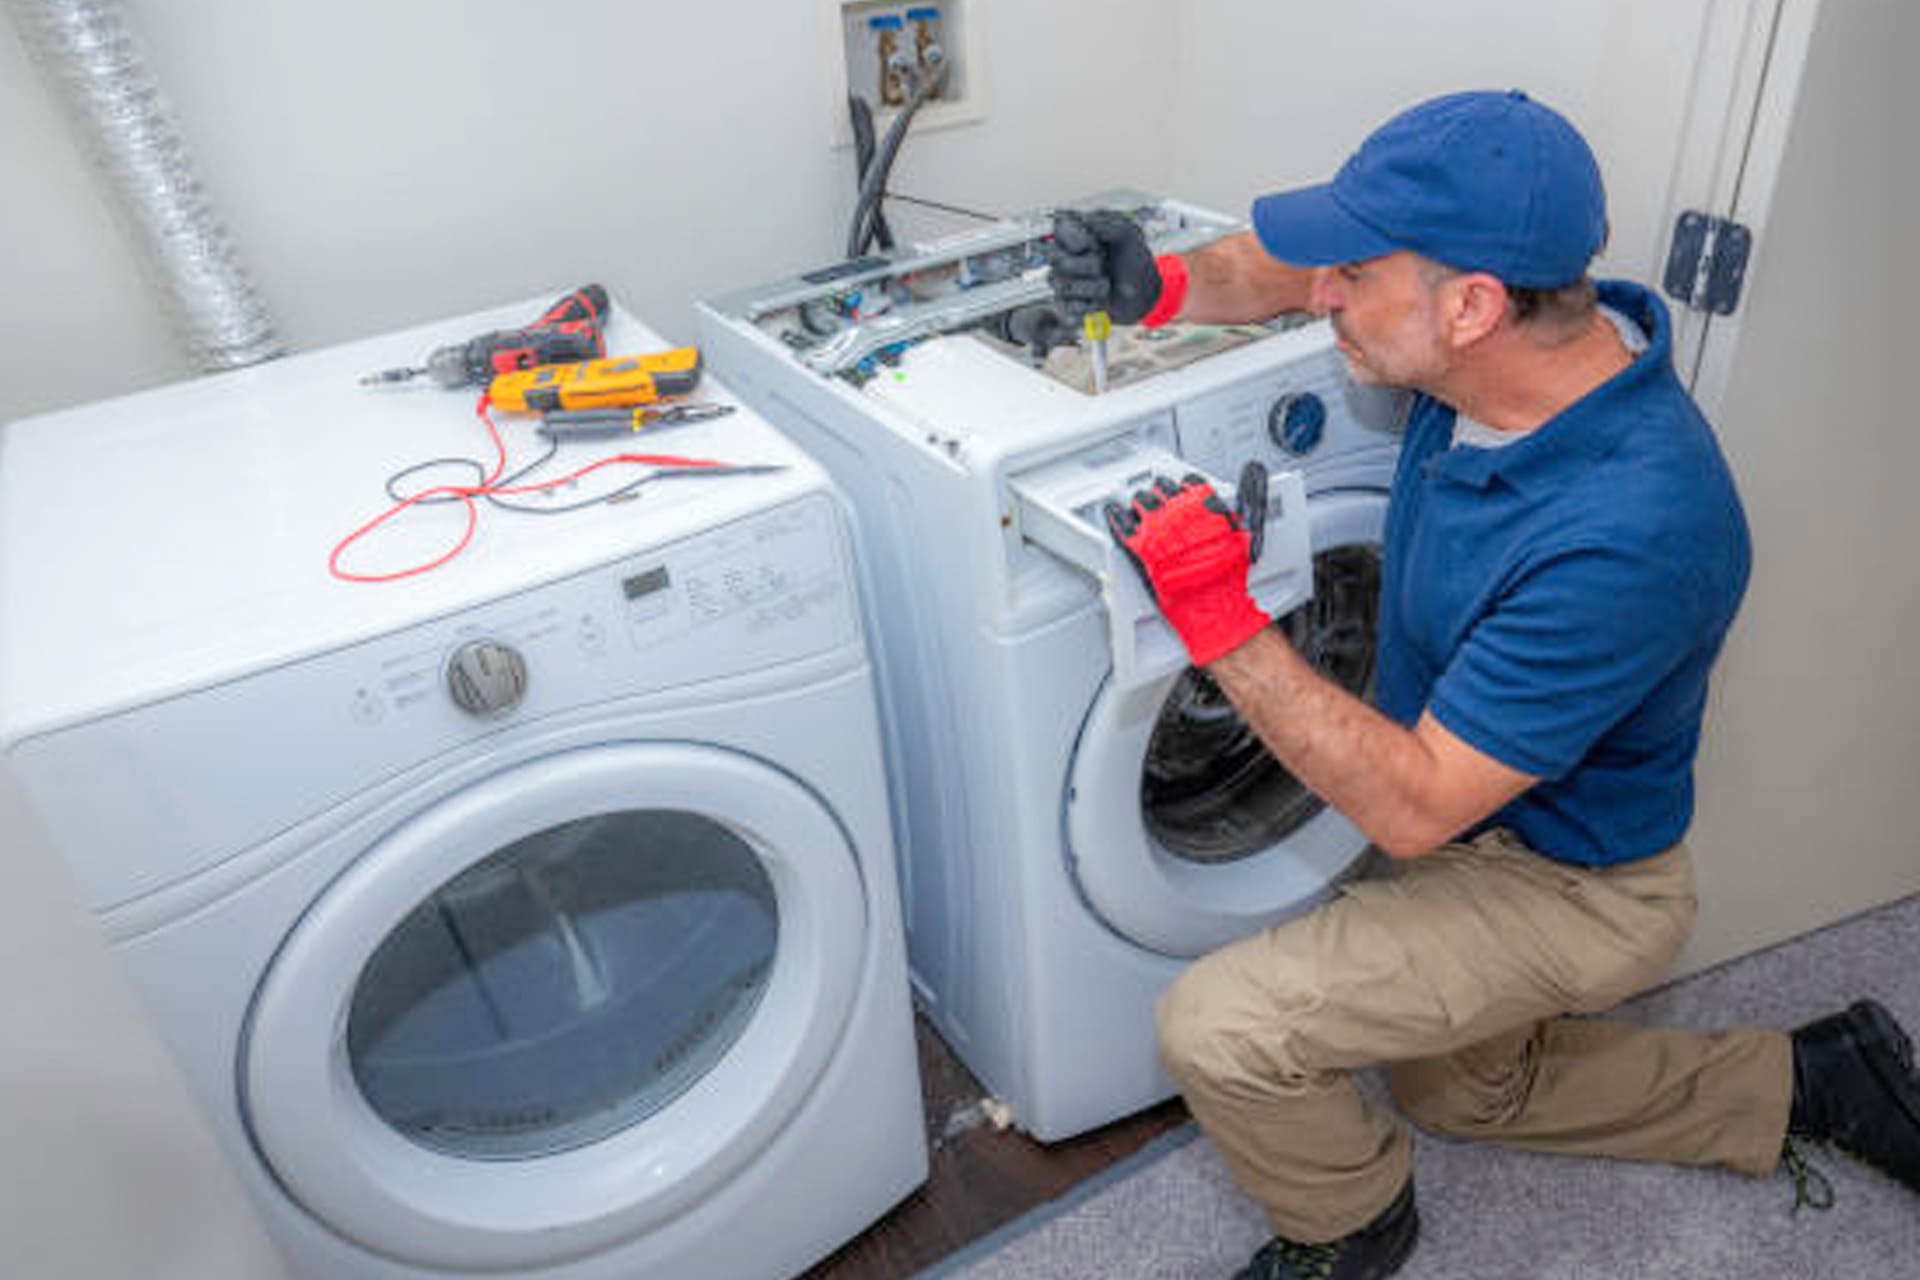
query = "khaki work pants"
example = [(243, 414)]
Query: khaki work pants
[(1456, 971)]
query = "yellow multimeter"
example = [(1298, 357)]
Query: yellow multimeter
[(599, 384)]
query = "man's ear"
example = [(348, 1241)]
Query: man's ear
[(1475, 305)]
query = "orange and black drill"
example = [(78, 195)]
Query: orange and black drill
[(569, 330)]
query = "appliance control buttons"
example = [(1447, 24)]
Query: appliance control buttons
[(590, 636), (367, 707), (486, 677), (1296, 422)]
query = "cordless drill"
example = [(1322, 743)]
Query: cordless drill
[(569, 330)]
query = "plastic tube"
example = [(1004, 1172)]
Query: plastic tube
[(90, 57), (867, 206)]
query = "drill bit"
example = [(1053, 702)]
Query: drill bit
[(390, 375), (1097, 326)]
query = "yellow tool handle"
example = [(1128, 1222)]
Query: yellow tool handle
[(1098, 326), (599, 384)]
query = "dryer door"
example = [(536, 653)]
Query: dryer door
[(1184, 833), (556, 1009)]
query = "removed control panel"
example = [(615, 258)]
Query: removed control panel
[(1061, 507)]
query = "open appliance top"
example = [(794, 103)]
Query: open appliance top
[(855, 319)]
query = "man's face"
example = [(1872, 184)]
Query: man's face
[(1386, 314)]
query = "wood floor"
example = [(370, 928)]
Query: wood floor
[(982, 1177)]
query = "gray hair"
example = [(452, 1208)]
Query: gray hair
[(1548, 314)]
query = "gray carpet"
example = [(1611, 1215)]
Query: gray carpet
[(1172, 1213)]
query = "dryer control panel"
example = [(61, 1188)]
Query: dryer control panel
[(194, 781)]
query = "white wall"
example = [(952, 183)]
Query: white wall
[(1274, 95), (107, 1170), (382, 164)]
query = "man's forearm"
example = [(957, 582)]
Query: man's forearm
[(1385, 777), (1234, 281)]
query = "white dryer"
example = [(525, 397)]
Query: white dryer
[(1079, 815), (536, 915)]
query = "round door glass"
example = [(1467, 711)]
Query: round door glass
[(1209, 791), (567, 987)]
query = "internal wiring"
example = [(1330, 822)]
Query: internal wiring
[(904, 198)]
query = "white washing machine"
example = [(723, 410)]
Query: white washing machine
[(1080, 812), (535, 915)]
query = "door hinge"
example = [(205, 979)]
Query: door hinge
[(1708, 262)]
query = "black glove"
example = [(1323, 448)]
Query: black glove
[(1101, 262)]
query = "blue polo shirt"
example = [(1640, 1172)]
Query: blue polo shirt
[(1557, 603)]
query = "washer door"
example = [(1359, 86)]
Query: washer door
[(1183, 832), (558, 1008)]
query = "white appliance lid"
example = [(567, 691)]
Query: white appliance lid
[(164, 541)]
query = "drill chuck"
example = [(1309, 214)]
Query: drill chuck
[(452, 367)]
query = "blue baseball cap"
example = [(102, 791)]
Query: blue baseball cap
[(1481, 181)]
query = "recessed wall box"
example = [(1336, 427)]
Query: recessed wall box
[(877, 47)]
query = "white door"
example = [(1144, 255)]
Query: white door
[(1182, 831), (1808, 770), (556, 1009)]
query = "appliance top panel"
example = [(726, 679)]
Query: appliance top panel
[(958, 388), (163, 541)]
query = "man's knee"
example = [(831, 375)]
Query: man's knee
[(1216, 1027), (1190, 1025)]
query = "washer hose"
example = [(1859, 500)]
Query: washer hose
[(866, 209), (862, 117)]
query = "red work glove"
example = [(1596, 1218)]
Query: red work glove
[(1194, 554)]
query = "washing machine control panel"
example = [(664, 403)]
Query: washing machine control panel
[(1061, 507), (1302, 412)]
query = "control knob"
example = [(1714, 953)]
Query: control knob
[(1296, 422), (486, 677)]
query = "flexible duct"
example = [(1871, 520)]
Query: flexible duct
[(86, 50)]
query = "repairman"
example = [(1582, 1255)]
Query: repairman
[(1564, 553)]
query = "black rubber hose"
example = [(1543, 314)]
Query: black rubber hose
[(862, 116), (868, 205)]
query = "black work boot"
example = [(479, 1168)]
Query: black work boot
[(1854, 1088), (1373, 1252)]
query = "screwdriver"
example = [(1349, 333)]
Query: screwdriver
[(602, 424), (568, 330), (1097, 326)]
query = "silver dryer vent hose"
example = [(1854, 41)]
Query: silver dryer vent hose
[(90, 56)]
